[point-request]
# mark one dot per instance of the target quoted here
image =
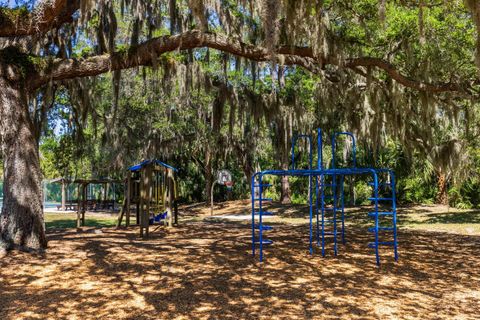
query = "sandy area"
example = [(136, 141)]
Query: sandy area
[(204, 270)]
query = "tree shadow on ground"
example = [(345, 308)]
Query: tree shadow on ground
[(206, 270)]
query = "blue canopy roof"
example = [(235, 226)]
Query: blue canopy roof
[(147, 162)]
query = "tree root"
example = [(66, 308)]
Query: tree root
[(4, 247)]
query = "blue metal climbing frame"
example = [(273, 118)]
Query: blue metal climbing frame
[(329, 190)]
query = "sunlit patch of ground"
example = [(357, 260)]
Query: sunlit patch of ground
[(421, 217), (204, 269)]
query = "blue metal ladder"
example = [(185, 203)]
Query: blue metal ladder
[(381, 214), (258, 211), (337, 195), (329, 215), (308, 138)]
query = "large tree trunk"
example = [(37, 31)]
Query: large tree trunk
[(64, 195), (285, 192), (442, 192), (286, 195), (208, 173), (21, 218)]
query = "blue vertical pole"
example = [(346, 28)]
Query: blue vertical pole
[(375, 185), (334, 190), (394, 209), (342, 203), (319, 167), (252, 189), (317, 224), (310, 191), (322, 192), (260, 212)]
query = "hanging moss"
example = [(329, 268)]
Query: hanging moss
[(13, 14), (474, 7)]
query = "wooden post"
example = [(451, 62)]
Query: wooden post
[(148, 198), (113, 195), (141, 200), (175, 197), (165, 188), (84, 202), (170, 196), (64, 195), (122, 212), (79, 204), (105, 192), (127, 198)]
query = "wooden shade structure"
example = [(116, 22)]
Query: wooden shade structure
[(82, 199)]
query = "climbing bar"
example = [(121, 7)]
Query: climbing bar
[(328, 223), (372, 229), (263, 227), (380, 199), (380, 213), (264, 241), (264, 213)]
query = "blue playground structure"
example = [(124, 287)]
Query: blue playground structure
[(328, 186)]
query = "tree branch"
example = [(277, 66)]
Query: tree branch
[(147, 52), (47, 15), (402, 79)]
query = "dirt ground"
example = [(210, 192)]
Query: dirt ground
[(203, 269)]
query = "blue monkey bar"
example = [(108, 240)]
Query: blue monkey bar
[(336, 177)]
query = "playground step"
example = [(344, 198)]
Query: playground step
[(263, 227), (264, 213), (384, 243), (380, 213), (380, 199), (265, 241), (263, 185), (372, 229), (263, 199)]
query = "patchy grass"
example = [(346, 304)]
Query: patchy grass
[(440, 219), (69, 220)]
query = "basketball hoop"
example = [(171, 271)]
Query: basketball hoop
[(224, 177)]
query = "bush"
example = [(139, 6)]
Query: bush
[(362, 192), (416, 190)]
